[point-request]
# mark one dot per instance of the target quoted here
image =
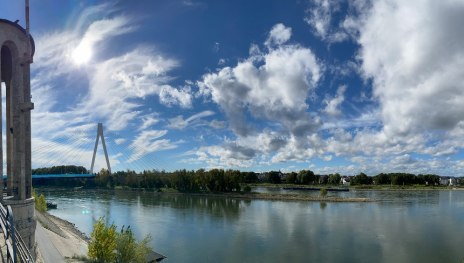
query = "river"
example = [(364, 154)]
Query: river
[(401, 226)]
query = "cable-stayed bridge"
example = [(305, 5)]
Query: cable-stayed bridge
[(93, 148)]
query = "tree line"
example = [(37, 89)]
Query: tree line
[(61, 169), (215, 180), (219, 180)]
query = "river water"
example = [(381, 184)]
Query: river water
[(401, 226)]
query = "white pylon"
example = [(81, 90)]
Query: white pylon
[(100, 134)]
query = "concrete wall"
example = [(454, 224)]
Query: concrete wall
[(15, 72)]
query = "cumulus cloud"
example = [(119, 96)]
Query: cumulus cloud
[(267, 86), (272, 86), (418, 80)]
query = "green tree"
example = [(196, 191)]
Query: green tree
[(273, 177), (361, 178), (305, 177), (334, 179), (103, 178), (250, 177), (382, 179), (102, 244), (291, 178)]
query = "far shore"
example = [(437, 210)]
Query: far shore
[(284, 196), (240, 195), (274, 197)]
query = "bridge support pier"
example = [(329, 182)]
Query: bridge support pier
[(17, 49), (23, 211)]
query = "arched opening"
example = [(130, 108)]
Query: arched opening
[(7, 64), (8, 52)]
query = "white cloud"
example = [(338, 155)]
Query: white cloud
[(320, 16), (97, 32), (321, 19), (418, 80), (148, 121), (148, 142), (173, 96), (279, 35), (333, 105), (120, 141), (179, 122), (329, 22), (119, 80), (271, 86)]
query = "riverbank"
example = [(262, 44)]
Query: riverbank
[(272, 197), (58, 239)]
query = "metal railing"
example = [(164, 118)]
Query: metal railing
[(16, 249)]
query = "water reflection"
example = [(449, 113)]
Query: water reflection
[(415, 226)]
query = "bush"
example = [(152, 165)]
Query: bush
[(247, 189), (127, 248), (103, 242), (323, 192), (40, 202), (107, 245)]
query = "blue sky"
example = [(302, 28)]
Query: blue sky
[(331, 86)]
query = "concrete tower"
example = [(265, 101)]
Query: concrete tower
[(17, 49)]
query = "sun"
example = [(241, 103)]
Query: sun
[(82, 54)]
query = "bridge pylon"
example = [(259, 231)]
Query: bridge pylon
[(100, 135)]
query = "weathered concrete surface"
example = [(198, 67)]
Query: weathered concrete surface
[(61, 247), (23, 213), (48, 252), (17, 48)]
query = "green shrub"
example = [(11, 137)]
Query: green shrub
[(103, 242), (107, 245), (40, 202), (247, 189), (125, 245)]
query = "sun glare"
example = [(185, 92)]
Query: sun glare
[(82, 54)]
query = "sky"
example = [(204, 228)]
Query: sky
[(330, 86)]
